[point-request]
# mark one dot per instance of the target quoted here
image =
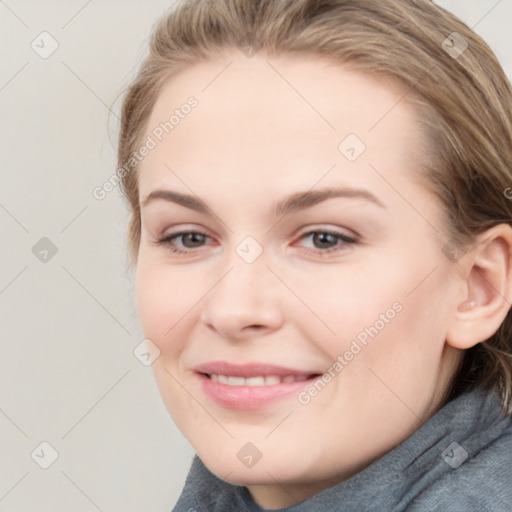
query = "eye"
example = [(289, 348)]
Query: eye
[(327, 241), (323, 241), (190, 240)]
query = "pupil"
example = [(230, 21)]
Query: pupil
[(193, 237), (323, 239)]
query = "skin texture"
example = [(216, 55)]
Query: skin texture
[(265, 128)]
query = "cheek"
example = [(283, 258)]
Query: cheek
[(406, 356), (165, 300), (350, 304), (393, 320)]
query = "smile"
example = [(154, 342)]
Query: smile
[(250, 386), (267, 380)]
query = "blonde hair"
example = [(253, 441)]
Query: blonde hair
[(463, 94)]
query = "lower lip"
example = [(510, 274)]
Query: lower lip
[(249, 397)]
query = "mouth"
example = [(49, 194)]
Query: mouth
[(251, 386), (260, 380)]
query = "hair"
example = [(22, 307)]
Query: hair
[(465, 103)]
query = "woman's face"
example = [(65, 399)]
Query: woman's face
[(313, 268)]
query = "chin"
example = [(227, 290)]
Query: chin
[(227, 465)]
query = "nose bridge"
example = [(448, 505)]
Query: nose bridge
[(244, 285), (244, 296), (247, 265)]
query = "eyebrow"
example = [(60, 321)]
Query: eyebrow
[(296, 201)]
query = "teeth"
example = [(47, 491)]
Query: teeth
[(267, 380), (236, 381), (255, 381), (272, 380)]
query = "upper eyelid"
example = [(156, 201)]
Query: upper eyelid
[(183, 232), (309, 230)]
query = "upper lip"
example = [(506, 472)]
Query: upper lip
[(249, 370)]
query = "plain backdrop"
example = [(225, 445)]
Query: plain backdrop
[(68, 375)]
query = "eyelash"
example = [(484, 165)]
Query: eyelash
[(167, 241)]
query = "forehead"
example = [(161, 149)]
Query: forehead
[(262, 121)]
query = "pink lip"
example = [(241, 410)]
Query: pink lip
[(249, 397)]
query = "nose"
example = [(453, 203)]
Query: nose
[(244, 303)]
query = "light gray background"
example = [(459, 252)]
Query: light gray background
[(68, 375)]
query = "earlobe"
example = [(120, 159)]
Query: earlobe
[(488, 286)]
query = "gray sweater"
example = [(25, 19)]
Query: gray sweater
[(460, 460)]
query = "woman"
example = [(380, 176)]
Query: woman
[(322, 242)]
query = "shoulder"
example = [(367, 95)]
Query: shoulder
[(472, 482)]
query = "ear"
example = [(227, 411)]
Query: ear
[(488, 289)]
